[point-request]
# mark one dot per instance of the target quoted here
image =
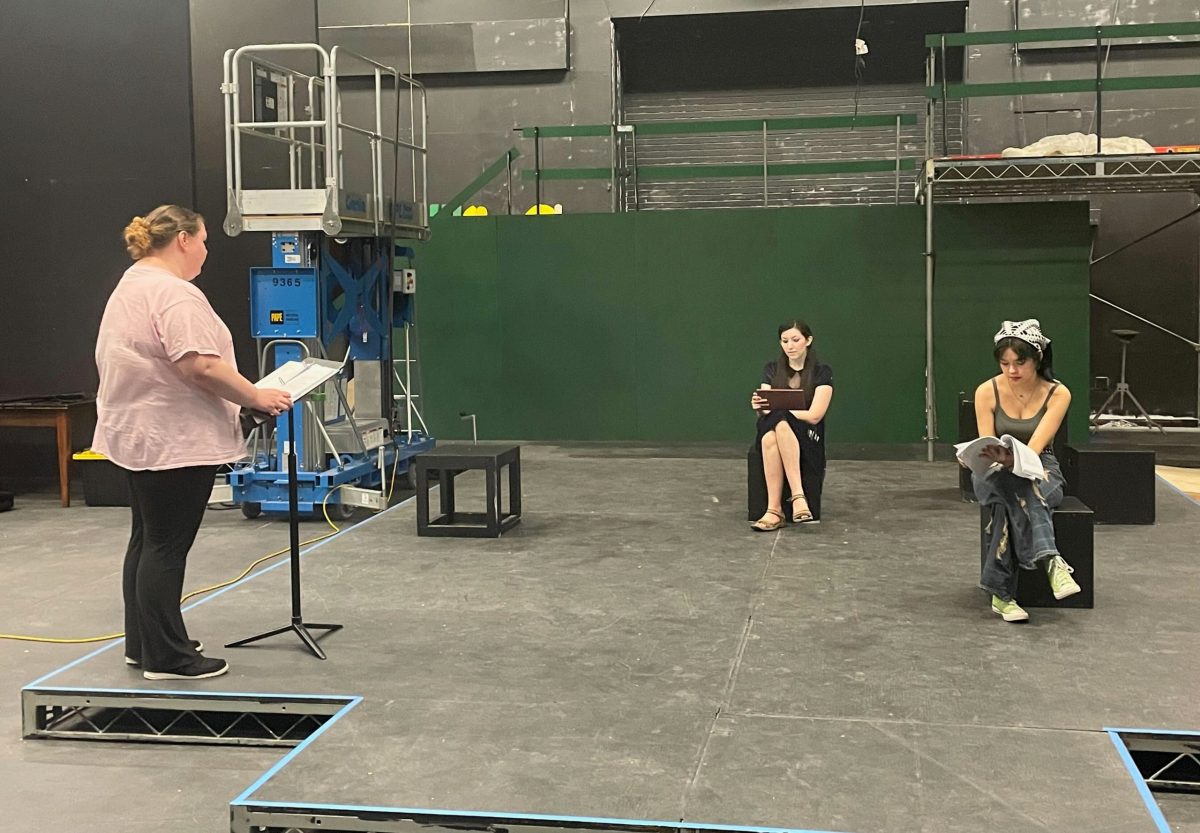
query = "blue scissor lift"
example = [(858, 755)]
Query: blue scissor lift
[(341, 282)]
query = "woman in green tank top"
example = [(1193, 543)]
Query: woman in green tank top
[(1023, 400)]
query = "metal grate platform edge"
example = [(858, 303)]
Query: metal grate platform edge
[(279, 817), (1167, 762), (235, 719), (1062, 175)]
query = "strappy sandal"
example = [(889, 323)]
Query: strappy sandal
[(765, 526), (801, 516)]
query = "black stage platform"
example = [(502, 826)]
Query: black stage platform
[(1173, 447), (633, 651)]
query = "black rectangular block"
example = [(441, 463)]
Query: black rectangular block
[(1073, 535), (756, 489), (966, 431), (1117, 484)]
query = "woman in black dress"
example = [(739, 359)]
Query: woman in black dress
[(792, 443)]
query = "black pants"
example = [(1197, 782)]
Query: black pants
[(168, 507)]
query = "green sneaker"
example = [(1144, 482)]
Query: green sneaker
[(1059, 573), (1009, 611)]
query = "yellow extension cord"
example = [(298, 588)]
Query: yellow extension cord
[(324, 511)]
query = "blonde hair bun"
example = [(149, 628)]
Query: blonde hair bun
[(137, 238), (144, 235)]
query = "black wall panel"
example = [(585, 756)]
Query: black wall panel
[(97, 128)]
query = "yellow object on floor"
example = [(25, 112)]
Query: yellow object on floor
[(1185, 480)]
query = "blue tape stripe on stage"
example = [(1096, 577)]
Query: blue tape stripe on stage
[(73, 663), (196, 695), (1138, 781), (1171, 485), (286, 759), (502, 817), (217, 593)]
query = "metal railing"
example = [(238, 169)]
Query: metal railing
[(940, 90), (625, 171), (325, 194), (503, 163)]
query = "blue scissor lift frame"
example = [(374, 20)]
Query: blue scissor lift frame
[(336, 288), (292, 307)]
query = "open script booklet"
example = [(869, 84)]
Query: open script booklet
[(1026, 463), (298, 378)]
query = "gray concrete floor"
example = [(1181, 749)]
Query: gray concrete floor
[(62, 577), (633, 650)]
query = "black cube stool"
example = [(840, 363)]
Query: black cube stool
[(756, 489), (1073, 535), (1117, 484), (442, 464), (967, 431)]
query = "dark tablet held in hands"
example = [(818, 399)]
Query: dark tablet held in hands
[(784, 399)]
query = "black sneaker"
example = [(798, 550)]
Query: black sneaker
[(200, 669), (196, 643)]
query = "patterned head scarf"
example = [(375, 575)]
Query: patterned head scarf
[(1029, 331)]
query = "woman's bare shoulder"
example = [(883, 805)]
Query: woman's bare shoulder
[(985, 392)]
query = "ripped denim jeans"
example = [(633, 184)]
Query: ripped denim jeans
[(1020, 532)]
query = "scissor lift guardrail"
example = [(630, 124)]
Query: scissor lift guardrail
[(319, 196)]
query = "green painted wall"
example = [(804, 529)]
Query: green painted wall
[(998, 262), (654, 326)]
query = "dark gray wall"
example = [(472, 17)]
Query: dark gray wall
[(1158, 279), (472, 117), (1162, 117), (97, 128)]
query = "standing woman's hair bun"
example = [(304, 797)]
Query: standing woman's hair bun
[(137, 238), (157, 229)]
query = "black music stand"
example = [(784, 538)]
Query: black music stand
[(1122, 389), (297, 625)]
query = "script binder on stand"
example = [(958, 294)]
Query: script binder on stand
[(298, 378)]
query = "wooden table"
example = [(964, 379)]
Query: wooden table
[(50, 413)]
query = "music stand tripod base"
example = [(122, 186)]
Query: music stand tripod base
[(301, 629), (1122, 389), (297, 626)]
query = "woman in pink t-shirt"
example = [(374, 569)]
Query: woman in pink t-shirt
[(167, 413)]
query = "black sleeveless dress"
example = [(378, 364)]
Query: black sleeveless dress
[(812, 437)]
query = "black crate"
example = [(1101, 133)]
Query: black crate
[(104, 482)]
